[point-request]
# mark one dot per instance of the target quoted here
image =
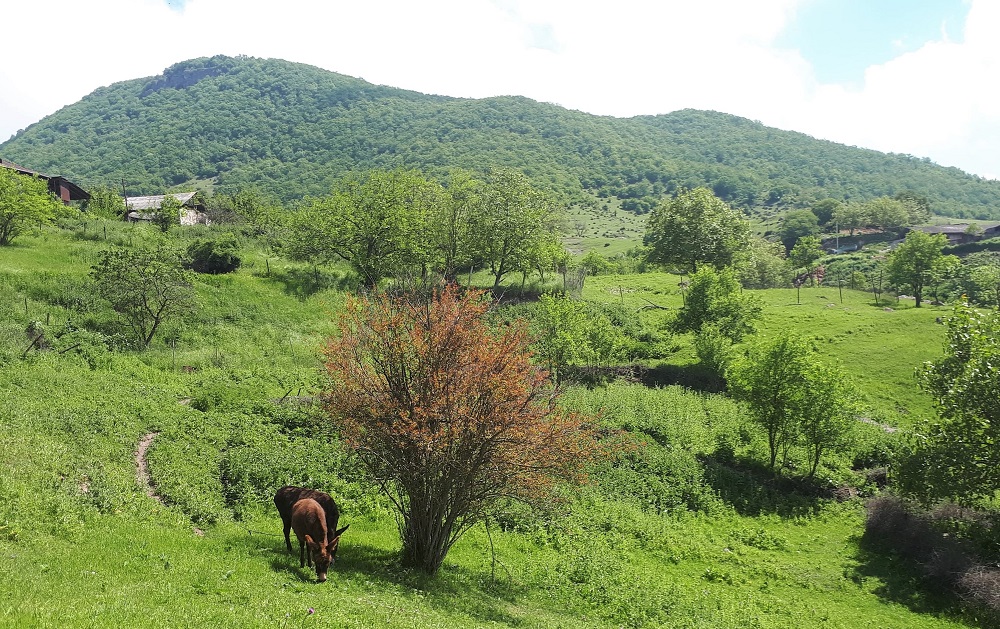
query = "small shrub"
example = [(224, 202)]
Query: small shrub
[(214, 256), (714, 349), (886, 516), (981, 586), (873, 455), (660, 479)]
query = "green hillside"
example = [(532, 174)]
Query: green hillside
[(686, 529), (222, 123)]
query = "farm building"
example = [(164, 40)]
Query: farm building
[(61, 187), (192, 209), (961, 233)]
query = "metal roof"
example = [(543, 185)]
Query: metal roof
[(154, 202)]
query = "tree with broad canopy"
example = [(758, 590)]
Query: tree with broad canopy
[(447, 415), (145, 286), (910, 265), (694, 228)]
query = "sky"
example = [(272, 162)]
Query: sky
[(917, 77)]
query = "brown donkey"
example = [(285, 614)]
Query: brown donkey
[(309, 524), (287, 496)]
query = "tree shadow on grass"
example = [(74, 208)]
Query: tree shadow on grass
[(696, 377), (479, 591), (752, 489), (455, 589), (904, 581), (303, 282)]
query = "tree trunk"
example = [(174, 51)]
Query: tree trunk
[(426, 540), (815, 461)]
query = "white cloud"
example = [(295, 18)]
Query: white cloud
[(938, 101), (623, 58)]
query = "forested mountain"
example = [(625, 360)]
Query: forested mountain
[(293, 129)]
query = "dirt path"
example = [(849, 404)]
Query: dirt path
[(142, 471)]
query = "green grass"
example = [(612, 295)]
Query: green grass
[(880, 349), (606, 229), (880, 346), (677, 532)]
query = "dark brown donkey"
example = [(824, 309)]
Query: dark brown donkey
[(287, 496), (309, 524)]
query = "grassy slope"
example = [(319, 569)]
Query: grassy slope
[(879, 348), (609, 232), (85, 546)]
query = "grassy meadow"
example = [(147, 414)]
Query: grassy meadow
[(687, 528)]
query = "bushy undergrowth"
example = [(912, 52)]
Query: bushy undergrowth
[(214, 256), (953, 545)]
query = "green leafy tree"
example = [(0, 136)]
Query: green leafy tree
[(795, 225), (715, 298), (560, 329), (385, 227), (825, 209), (105, 202), (793, 397), (714, 350), (168, 214), (568, 334), (311, 233), (958, 455), (451, 223), (145, 286), (762, 264), (807, 250), (596, 264), (827, 412), (512, 222), (259, 211), (695, 228), (911, 263), (851, 216), (887, 213), (945, 278), (25, 202), (378, 223), (986, 279), (768, 381), (918, 206)]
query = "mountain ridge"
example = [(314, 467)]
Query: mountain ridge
[(292, 130)]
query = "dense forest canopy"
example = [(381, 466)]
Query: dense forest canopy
[(292, 130)]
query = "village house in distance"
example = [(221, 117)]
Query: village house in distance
[(961, 233), (144, 208)]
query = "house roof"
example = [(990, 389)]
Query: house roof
[(154, 202), (943, 229), (6, 163), (76, 193)]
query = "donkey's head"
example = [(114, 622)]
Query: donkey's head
[(321, 557)]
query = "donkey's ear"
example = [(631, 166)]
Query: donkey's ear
[(341, 531), (311, 544)]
